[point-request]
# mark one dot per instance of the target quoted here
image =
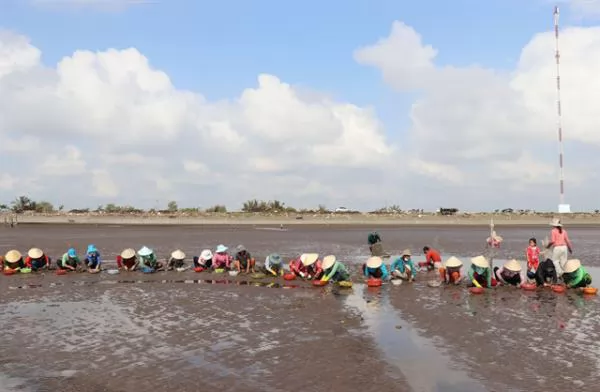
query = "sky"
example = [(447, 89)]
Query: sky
[(360, 103)]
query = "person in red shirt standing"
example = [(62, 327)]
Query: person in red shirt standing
[(532, 254), (433, 260)]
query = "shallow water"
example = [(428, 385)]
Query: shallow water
[(188, 331)]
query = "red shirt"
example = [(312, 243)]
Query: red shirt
[(533, 257), (314, 270), (433, 256)]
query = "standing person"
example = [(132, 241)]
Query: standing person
[(532, 254), (559, 239), (433, 259)]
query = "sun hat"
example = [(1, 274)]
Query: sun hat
[(145, 251), (178, 255), (453, 262), (572, 266), (13, 256), (328, 261), (221, 248), (128, 254), (555, 223), (374, 262), (406, 252), (35, 253), (274, 258), (513, 265), (72, 252), (480, 261), (206, 255), (309, 259), (240, 248), (92, 248)]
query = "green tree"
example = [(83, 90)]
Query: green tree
[(112, 208), (172, 206), (44, 207), (217, 208), (23, 203)]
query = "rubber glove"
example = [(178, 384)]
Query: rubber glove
[(476, 283)]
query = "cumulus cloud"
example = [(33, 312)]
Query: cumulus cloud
[(494, 132), (107, 126)]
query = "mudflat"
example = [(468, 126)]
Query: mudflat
[(190, 331)]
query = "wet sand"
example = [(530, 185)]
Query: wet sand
[(188, 331)]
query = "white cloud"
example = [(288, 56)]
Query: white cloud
[(109, 122), (497, 129), (478, 137)]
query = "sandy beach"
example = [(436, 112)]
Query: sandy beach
[(239, 219), (187, 331)]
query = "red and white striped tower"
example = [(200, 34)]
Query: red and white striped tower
[(562, 207)]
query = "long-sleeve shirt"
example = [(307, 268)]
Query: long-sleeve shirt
[(72, 261), (546, 270), (337, 268), (221, 260), (149, 261), (533, 258), (486, 272), (574, 279), (29, 261), (504, 276), (94, 258), (312, 271), (270, 267), (558, 238), (400, 265), (372, 271)]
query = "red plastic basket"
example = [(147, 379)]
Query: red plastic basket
[(319, 283), (61, 272), (529, 286), (374, 282), (198, 269), (289, 276), (558, 288), (476, 290)]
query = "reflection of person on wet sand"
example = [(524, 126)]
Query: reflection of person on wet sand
[(374, 268), (480, 273), (509, 274), (575, 276), (450, 274), (403, 267)]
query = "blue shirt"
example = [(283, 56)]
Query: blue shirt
[(400, 265), (384, 271)]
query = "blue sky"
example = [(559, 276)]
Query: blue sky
[(219, 47), (469, 117)]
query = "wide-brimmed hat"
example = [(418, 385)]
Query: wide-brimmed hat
[(240, 249), (12, 256), (145, 251), (572, 265), (221, 248), (513, 265), (309, 258), (328, 261), (178, 255), (206, 255), (406, 252), (374, 262), (480, 261), (274, 258), (35, 253), (453, 262), (128, 254), (555, 223), (92, 248)]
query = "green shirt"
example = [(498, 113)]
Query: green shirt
[(72, 261)]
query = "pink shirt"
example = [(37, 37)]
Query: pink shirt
[(221, 260), (559, 239)]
